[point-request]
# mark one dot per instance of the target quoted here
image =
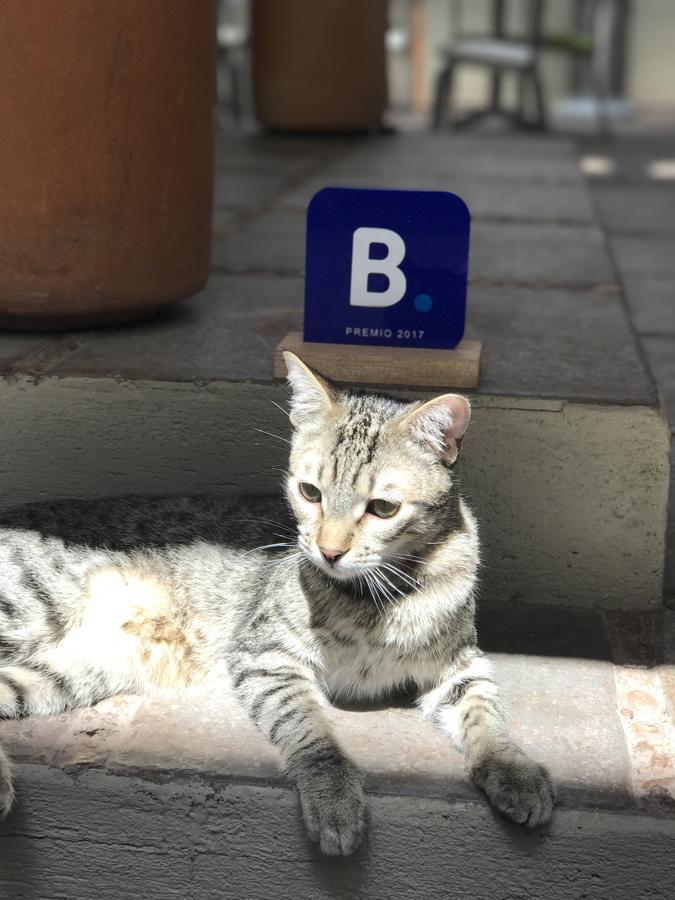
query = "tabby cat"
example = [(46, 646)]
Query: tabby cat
[(374, 593)]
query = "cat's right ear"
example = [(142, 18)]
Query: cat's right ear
[(440, 423), (311, 396)]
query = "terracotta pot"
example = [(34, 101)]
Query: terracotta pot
[(319, 65), (105, 157)]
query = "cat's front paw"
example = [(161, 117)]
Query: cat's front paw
[(6, 786), (333, 808), (517, 787)]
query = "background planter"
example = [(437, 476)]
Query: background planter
[(319, 65), (105, 157)]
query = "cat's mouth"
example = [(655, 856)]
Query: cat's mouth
[(346, 568), (343, 568)]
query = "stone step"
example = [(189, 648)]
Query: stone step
[(177, 795), (566, 461)]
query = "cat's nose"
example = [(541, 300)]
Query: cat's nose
[(331, 556)]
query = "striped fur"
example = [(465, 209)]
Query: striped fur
[(127, 595)]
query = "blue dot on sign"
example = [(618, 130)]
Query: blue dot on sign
[(423, 303)]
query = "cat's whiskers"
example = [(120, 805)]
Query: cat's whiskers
[(408, 579), (414, 559), (398, 593), (270, 434), (280, 407), (269, 547), (390, 589), (374, 591), (284, 564), (264, 522)]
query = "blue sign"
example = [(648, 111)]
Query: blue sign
[(386, 267)]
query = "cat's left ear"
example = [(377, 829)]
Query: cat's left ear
[(440, 423), (312, 396)]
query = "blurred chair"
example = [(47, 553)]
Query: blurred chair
[(592, 45), (499, 53)]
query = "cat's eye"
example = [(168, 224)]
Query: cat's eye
[(310, 492), (383, 509)]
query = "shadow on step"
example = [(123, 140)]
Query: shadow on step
[(127, 523)]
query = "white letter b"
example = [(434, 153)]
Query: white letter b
[(363, 266)]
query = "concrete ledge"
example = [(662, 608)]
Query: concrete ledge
[(557, 671), (566, 515), (114, 836), (196, 734)]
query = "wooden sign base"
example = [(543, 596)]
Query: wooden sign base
[(401, 366)]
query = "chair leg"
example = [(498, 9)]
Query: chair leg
[(600, 97), (541, 117), (235, 90), (443, 96), (521, 103)]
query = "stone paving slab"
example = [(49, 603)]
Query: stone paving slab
[(459, 157), (542, 254), (579, 733), (246, 191), (646, 265), (579, 339), (652, 256), (273, 242), (459, 163), (635, 209), (487, 199), (255, 157), (573, 345), (16, 347), (644, 648), (227, 332), (547, 157), (661, 355), (224, 222), (250, 151), (651, 302)]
